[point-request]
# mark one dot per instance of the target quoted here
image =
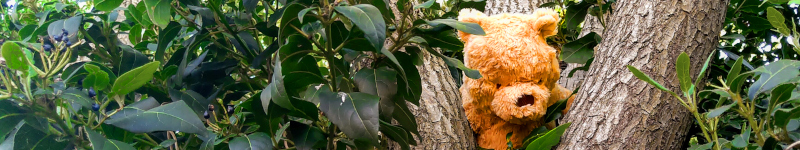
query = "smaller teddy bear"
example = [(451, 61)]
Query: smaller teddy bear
[(519, 75)]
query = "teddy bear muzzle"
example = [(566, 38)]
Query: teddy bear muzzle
[(522, 103)]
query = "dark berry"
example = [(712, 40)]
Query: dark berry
[(68, 42), (57, 38), (91, 92), (64, 49), (47, 47), (205, 115), (95, 107), (80, 83), (230, 109), (210, 107), (64, 32)]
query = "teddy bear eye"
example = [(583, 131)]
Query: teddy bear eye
[(498, 86)]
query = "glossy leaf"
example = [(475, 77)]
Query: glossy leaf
[(275, 92), (356, 114), (645, 78), (132, 80), (369, 20), (102, 143), (10, 116), (14, 57), (580, 50), (719, 110), (175, 116), (548, 140), (773, 74), (781, 94), (396, 134), (107, 5), (197, 102), (304, 136), (471, 28), (576, 14), (165, 37), (734, 72), (159, 12), (776, 20), (98, 79), (381, 82), (253, 141), (682, 67)]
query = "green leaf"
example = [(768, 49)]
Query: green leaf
[(102, 143), (776, 19), (15, 58), (471, 28), (706, 146), (702, 70), (77, 99), (719, 110), (773, 74), (645, 78), (132, 80), (479, 5), (197, 102), (781, 94), (303, 12), (258, 140), (159, 12), (576, 14), (548, 140), (737, 83), (471, 73), (396, 134), (304, 136), (741, 140), (10, 116), (275, 92), (30, 138), (369, 20), (580, 50), (428, 4), (734, 72), (682, 67), (129, 59), (381, 82), (446, 39), (175, 116), (356, 114), (97, 78), (165, 38), (405, 118), (782, 117), (778, 2), (107, 5)]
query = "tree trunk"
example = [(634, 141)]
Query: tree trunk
[(615, 110), (494, 7), (440, 117)]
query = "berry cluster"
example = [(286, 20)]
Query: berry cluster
[(64, 37)]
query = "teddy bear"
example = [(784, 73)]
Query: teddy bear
[(519, 71)]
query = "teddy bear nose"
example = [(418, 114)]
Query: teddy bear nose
[(525, 100)]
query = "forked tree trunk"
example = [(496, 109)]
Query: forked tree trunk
[(615, 110)]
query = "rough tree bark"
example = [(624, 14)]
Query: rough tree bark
[(615, 110), (441, 121), (494, 7)]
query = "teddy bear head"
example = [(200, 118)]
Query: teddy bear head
[(515, 58)]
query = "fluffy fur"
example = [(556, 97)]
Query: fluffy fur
[(519, 75)]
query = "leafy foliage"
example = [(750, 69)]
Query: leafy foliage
[(241, 74)]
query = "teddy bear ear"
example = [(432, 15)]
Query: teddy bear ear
[(546, 22), (471, 16)]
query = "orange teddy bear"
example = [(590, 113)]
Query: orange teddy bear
[(519, 75)]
